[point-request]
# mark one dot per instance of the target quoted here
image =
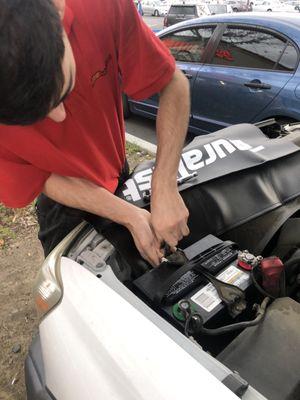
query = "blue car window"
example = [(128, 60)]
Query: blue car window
[(289, 59), (249, 48), (188, 45)]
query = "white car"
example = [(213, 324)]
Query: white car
[(238, 5), (156, 8), (201, 325), (294, 3), (276, 6)]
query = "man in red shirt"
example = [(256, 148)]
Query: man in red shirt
[(62, 129)]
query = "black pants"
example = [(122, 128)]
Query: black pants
[(56, 220)]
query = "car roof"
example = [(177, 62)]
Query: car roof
[(288, 23)]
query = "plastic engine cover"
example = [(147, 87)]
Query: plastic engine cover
[(268, 355)]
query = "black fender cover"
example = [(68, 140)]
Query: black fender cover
[(241, 174)]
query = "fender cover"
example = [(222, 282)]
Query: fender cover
[(241, 175), (226, 152)]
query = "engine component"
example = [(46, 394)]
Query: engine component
[(247, 260), (267, 355), (231, 295), (271, 275), (272, 270), (194, 322)]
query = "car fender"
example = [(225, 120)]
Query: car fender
[(103, 347)]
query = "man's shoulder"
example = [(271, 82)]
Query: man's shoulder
[(103, 8), (102, 16)]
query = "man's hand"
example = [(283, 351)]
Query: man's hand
[(144, 237), (169, 216)]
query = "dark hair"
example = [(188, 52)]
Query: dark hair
[(31, 54)]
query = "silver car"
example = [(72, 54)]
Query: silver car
[(154, 7), (239, 6)]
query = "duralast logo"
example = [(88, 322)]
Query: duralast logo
[(191, 161)]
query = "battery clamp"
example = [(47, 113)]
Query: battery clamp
[(231, 295)]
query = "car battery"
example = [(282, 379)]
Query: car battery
[(166, 285)]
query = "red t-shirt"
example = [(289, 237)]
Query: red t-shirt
[(114, 52)]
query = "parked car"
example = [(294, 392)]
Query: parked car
[(238, 6), (154, 7), (113, 328), (294, 3), (182, 12), (272, 5), (241, 68)]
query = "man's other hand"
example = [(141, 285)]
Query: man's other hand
[(144, 238), (169, 216)]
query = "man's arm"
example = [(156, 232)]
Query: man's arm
[(86, 196), (168, 212)]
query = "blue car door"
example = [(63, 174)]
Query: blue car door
[(187, 45), (245, 71)]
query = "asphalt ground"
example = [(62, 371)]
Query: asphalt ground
[(154, 22), (143, 128)]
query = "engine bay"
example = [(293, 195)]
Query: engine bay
[(232, 286), (241, 308)]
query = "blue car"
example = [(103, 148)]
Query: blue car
[(241, 68)]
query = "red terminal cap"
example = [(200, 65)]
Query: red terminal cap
[(244, 265), (271, 269)]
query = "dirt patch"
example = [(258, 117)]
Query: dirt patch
[(20, 258)]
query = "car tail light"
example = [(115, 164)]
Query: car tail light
[(48, 288)]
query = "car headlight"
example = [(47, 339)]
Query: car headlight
[(48, 288)]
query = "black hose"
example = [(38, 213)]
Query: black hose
[(283, 284), (198, 323), (258, 287), (292, 262)]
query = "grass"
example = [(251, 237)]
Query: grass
[(11, 219), (135, 155), (6, 232), (132, 149)]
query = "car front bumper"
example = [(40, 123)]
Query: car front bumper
[(34, 373)]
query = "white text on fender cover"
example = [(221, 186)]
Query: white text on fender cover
[(191, 161)]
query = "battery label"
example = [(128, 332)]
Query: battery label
[(184, 282), (208, 298)]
